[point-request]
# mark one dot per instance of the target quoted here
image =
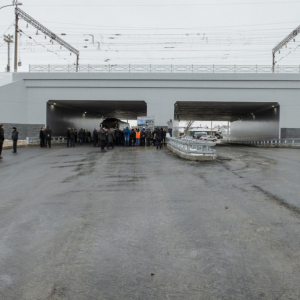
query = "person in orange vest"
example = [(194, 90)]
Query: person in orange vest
[(138, 137)]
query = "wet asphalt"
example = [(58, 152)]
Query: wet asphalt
[(141, 223)]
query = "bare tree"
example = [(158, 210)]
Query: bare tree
[(188, 126)]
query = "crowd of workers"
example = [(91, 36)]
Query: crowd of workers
[(104, 137), (110, 137)]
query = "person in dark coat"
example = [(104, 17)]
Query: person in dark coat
[(42, 137), (15, 137), (158, 138), (132, 137), (75, 135), (2, 138), (68, 136), (95, 137), (117, 135), (72, 137), (143, 136), (148, 136), (163, 136), (48, 134), (111, 138), (81, 136), (102, 137)]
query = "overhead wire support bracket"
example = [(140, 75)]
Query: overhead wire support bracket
[(291, 36), (20, 13)]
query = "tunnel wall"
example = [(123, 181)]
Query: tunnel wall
[(60, 118), (261, 126)]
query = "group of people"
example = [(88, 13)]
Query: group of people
[(14, 137), (45, 137), (110, 137)]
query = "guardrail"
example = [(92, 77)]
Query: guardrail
[(133, 68), (191, 146), (32, 140), (272, 142)]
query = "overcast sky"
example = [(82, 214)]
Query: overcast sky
[(156, 31)]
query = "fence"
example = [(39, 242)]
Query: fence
[(165, 68), (272, 142), (34, 140), (190, 146)]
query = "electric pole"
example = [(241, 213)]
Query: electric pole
[(16, 36), (8, 39)]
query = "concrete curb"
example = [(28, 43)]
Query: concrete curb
[(194, 157)]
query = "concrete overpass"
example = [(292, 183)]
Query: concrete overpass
[(259, 106)]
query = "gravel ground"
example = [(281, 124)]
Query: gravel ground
[(141, 223)]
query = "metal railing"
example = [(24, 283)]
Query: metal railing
[(33, 140), (165, 68), (191, 146), (271, 142)]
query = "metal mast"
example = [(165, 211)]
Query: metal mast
[(8, 39), (291, 36), (20, 13)]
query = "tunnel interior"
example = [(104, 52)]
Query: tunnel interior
[(248, 120), (219, 111), (62, 114)]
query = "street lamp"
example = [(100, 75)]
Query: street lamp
[(11, 5)]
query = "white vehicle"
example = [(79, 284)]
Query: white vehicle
[(210, 138)]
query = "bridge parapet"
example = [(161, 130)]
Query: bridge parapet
[(262, 69)]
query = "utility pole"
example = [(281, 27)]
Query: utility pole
[(8, 39), (16, 37)]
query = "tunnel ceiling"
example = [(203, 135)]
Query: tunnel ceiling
[(128, 110), (218, 111)]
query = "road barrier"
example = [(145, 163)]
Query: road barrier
[(192, 149), (35, 140), (270, 143)]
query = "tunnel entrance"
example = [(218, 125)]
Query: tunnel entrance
[(62, 114), (248, 120)]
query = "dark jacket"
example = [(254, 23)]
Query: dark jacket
[(81, 134), (148, 133), (48, 133), (15, 135), (68, 134), (158, 134), (2, 138), (111, 136), (72, 134), (95, 135), (102, 135), (143, 133), (42, 134)]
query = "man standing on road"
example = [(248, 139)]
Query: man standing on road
[(148, 136), (158, 137), (170, 127), (95, 137), (48, 134), (102, 137), (42, 137), (1, 138), (72, 137), (68, 136), (111, 138), (15, 137), (127, 133)]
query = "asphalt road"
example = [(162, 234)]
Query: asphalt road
[(140, 223)]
